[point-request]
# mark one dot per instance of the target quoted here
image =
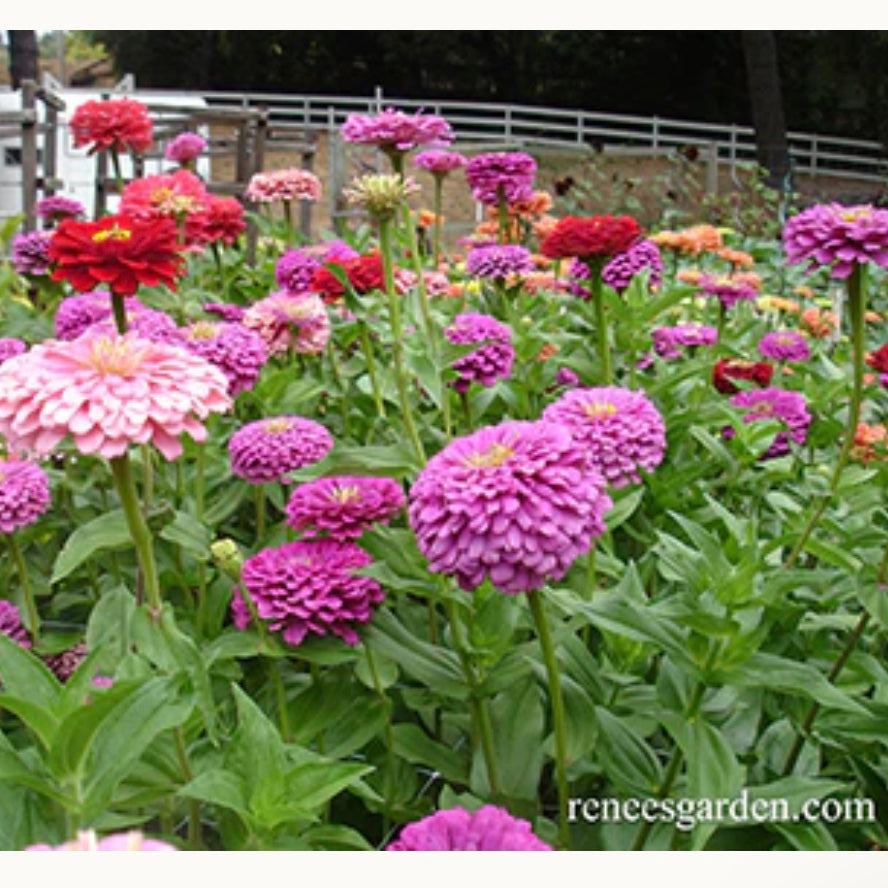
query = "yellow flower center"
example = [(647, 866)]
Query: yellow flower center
[(113, 357), (599, 409), (496, 455), (115, 232), (345, 494), (852, 214), (276, 426), (203, 330)]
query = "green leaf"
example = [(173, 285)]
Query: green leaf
[(219, 787), (623, 509), (624, 756), (415, 746), (189, 533), (107, 531)]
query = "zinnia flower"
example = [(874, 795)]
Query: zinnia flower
[(223, 221), (728, 289), (394, 131), (516, 503), (837, 237), (727, 369), (499, 262), (312, 587), (65, 663), (642, 255), (295, 269), (107, 391), (24, 494), (10, 346), (784, 345), (180, 196), (229, 312), (281, 185), (269, 449), (56, 207), (239, 352), (123, 253), (788, 408), (285, 320), (87, 840), (30, 252), (343, 506), (119, 125), (440, 163), (11, 624), (185, 148), (667, 339), (690, 241), (870, 443), (620, 430), (489, 363), (501, 176), (488, 829), (590, 238), (380, 194)]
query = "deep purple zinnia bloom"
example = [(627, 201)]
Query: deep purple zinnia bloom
[(295, 269), (24, 494), (788, 408), (507, 174), (56, 207), (312, 587), (64, 664), (499, 262), (77, 313), (10, 347), (619, 429), (837, 237), (644, 254), (516, 503), (30, 252), (784, 345), (11, 624), (667, 339), (239, 352), (438, 162), (395, 131), (342, 507), (490, 828), (489, 363), (269, 449)]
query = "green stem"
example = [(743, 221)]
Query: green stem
[(121, 469), (604, 355), (559, 720), (856, 312), (385, 242), (259, 499), (502, 212), (436, 231), (388, 734), (28, 592), (118, 175), (200, 481), (147, 476), (277, 679), (479, 705), (194, 822), (119, 310), (367, 347)]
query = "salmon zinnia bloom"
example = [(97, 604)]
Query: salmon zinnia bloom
[(120, 252), (106, 392)]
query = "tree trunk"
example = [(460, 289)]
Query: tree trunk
[(766, 101), (22, 56)]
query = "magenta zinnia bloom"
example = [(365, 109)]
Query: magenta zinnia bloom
[(837, 237), (107, 392), (56, 207), (87, 840), (438, 162), (269, 449), (10, 346), (30, 252), (239, 352), (229, 312), (11, 624), (489, 363), (667, 339), (499, 262), (641, 256), (24, 494), (784, 345), (65, 663), (396, 131), (506, 175), (344, 506), (77, 314), (516, 503), (185, 148), (621, 431), (488, 829), (312, 587), (788, 408), (728, 290), (295, 269), (285, 321)]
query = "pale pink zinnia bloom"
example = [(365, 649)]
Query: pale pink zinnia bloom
[(285, 320), (287, 184), (106, 392), (87, 840)]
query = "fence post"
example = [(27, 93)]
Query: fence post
[(712, 169), (655, 133), (814, 146), (507, 123), (29, 154), (581, 136)]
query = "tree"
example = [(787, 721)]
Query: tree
[(22, 56)]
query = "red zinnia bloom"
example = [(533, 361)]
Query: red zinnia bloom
[(117, 251), (590, 238), (224, 221), (365, 274), (878, 359), (758, 372), (118, 124)]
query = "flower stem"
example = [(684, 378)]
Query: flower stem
[(604, 354), (502, 211), (27, 591), (856, 312), (259, 499), (436, 231), (367, 347), (194, 823), (559, 721), (121, 469), (388, 735)]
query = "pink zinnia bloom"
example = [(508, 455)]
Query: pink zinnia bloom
[(30, 252), (344, 506), (641, 256), (24, 494), (65, 663), (185, 148), (438, 162), (87, 840), (312, 587), (489, 363), (729, 290), (508, 175), (269, 449), (396, 131), (285, 321), (784, 345), (667, 339), (10, 346), (56, 207), (295, 270), (516, 503), (619, 429), (287, 184), (787, 408), (107, 392), (490, 828), (180, 195), (11, 624), (239, 352), (499, 261), (837, 237)]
